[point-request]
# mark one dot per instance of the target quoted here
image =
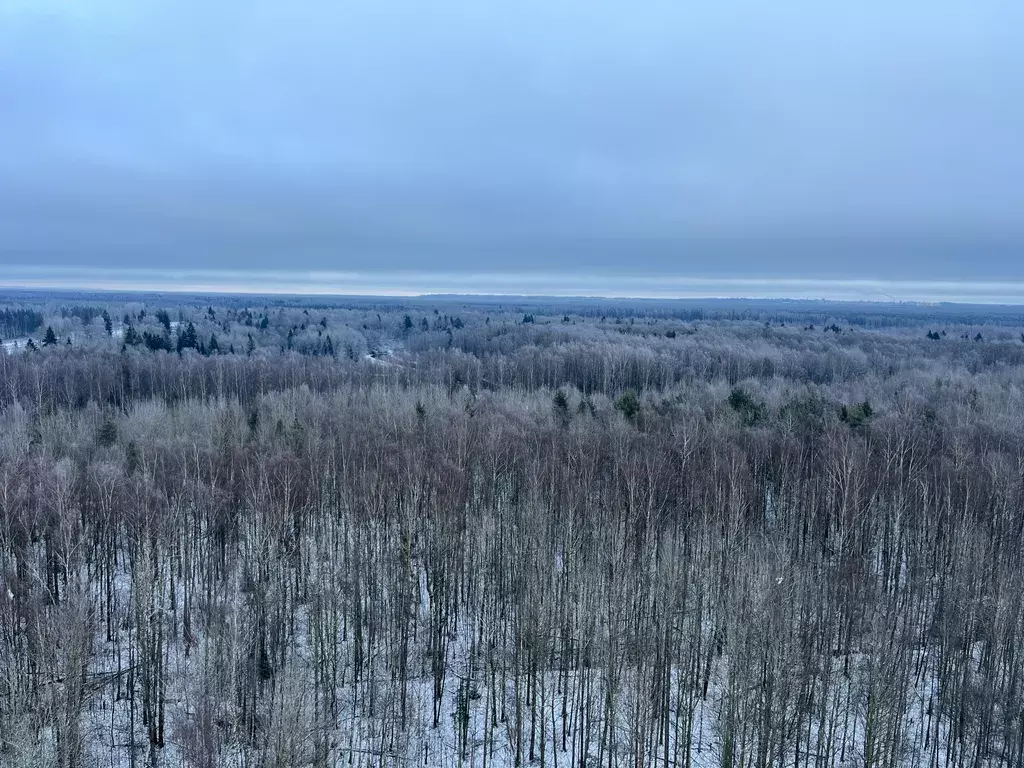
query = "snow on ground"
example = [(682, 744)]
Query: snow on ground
[(365, 730), (12, 346)]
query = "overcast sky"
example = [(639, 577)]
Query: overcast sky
[(737, 138)]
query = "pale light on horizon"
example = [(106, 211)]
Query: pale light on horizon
[(555, 284)]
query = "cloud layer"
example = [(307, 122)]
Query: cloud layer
[(796, 138)]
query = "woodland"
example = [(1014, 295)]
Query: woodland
[(453, 531)]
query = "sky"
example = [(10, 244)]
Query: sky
[(742, 141)]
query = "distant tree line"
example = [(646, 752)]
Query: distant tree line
[(19, 322)]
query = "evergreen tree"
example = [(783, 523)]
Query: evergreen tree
[(749, 409), (131, 336), (108, 324), (50, 338), (628, 404), (106, 435), (561, 406), (856, 415), (155, 341), (132, 458), (187, 339)]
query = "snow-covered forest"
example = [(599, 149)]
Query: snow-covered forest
[(453, 532)]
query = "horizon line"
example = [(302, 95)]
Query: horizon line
[(554, 284)]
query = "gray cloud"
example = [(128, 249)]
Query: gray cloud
[(739, 137)]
